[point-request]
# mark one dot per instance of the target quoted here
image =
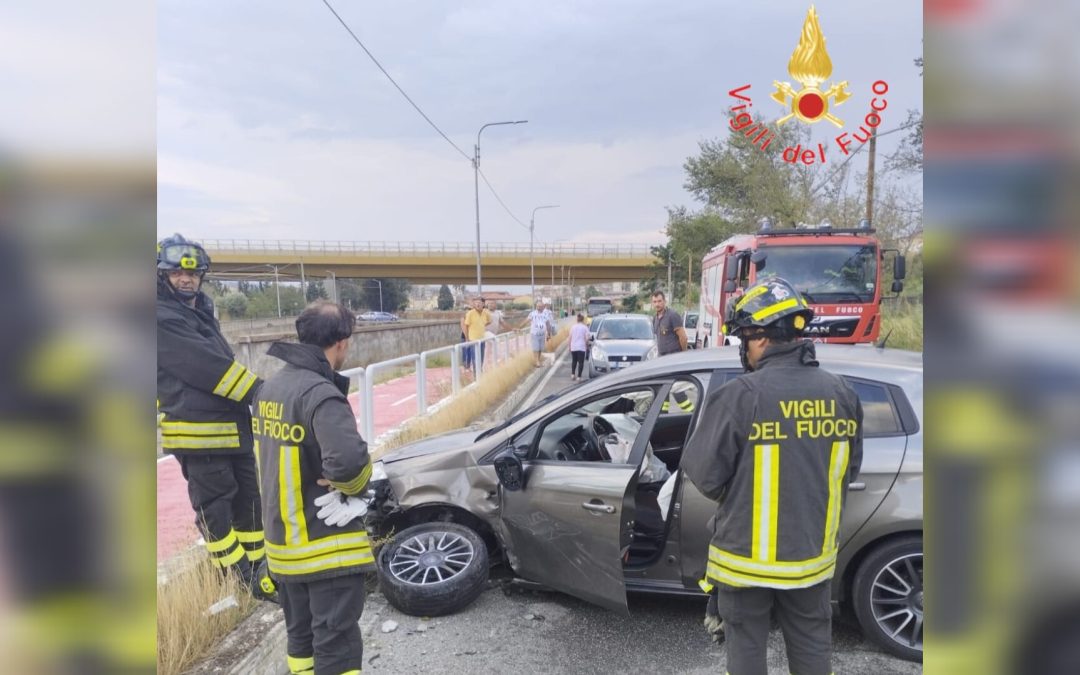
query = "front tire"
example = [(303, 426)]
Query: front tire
[(433, 569), (887, 593)]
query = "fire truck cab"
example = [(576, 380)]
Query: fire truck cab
[(838, 271)]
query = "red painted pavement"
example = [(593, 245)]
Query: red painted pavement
[(395, 402)]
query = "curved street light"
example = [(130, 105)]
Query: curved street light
[(476, 189)]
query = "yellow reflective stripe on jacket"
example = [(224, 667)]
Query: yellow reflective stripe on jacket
[(198, 428), (331, 544), (300, 665), (722, 575), (838, 462), (766, 502), (223, 544), (750, 296), (197, 442), (773, 309), (242, 387), (355, 485), (322, 563), (776, 568), (291, 499), (229, 379)]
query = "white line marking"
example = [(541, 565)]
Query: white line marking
[(407, 398), (543, 383)]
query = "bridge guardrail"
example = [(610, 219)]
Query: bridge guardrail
[(424, 248)]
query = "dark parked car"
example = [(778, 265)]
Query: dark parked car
[(377, 316), (568, 494)]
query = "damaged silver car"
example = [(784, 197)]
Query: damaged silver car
[(581, 493)]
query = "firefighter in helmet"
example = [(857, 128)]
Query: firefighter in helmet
[(777, 454), (203, 399)]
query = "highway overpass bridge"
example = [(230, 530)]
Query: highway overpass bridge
[(428, 262)]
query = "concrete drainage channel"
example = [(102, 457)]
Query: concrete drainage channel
[(257, 645)]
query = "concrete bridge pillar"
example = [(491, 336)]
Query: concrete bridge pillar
[(331, 286)]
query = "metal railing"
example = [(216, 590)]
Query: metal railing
[(426, 249), (501, 348)]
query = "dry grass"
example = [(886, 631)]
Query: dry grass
[(468, 405), (185, 632), (903, 323)]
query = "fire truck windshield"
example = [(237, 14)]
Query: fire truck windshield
[(826, 274)]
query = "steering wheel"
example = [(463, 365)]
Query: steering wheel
[(594, 427)]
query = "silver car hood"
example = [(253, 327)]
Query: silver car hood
[(626, 347), (462, 439)]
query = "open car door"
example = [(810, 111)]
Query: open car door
[(569, 527)]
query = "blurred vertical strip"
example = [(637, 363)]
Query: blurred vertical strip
[(77, 227), (1002, 144)]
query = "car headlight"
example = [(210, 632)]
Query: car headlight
[(652, 353), (598, 353)]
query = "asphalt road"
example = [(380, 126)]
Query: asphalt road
[(509, 629)]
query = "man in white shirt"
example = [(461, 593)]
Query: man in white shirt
[(537, 323)]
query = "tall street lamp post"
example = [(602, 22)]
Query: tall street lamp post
[(532, 226), (476, 189)]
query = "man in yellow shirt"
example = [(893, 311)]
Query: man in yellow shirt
[(474, 325)]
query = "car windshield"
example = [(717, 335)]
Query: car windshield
[(826, 273), (691, 320), (625, 329), (526, 411)]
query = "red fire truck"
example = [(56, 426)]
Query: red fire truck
[(838, 271)]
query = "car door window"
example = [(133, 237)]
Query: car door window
[(602, 429), (880, 417)]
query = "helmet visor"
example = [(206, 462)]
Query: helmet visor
[(184, 257)]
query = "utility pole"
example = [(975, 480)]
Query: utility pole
[(870, 179), (277, 288), (689, 278), (671, 294)]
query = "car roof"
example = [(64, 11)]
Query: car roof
[(890, 365), (624, 316)]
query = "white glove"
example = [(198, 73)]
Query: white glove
[(330, 504), (351, 508)]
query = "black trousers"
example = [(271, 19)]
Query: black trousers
[(805, 616), (322, 620), (224, 493), (577, 363)]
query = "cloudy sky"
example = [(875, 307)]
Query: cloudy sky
[(274, 124)]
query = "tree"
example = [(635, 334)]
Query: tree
[(631, 303), (909, 156), (446, 298), (235, 305), (316, 291), (743, 183), (591, 292)]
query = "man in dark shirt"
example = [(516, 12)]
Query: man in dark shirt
[(667, 326)]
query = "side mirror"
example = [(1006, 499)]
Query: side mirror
[(899, 267), (731, 268), (729, 286), (510, 471), (897, 286), (758, 258)]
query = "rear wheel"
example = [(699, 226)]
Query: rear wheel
[(888, 596), (433, 569)]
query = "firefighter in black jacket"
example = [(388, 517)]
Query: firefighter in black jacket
[(203, 398), (776, 448), (316, 545)]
